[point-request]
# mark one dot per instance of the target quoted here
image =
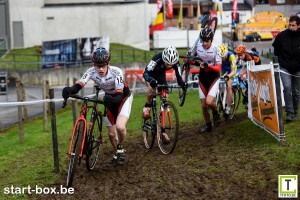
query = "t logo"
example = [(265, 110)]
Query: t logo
[(288, 186)]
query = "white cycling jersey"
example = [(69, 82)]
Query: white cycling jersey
[(210, 56), (111, 83)]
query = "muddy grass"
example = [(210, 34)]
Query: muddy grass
[(203, 166)]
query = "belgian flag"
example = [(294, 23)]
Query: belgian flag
[(158, 23)]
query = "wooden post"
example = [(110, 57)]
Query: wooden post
[(24, 99), (279, 100), (20, 113), (54, 132), (45, 105)]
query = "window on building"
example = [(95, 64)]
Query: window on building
[(184, 12), (280, 1), (263, 1)]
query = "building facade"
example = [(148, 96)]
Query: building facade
[(29, 23)]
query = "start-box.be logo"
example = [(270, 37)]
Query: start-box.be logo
[(288, 186)]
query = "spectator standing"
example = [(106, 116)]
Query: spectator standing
[(287, 49)]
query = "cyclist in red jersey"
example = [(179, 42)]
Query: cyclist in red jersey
[(117, 99), (209, 74)]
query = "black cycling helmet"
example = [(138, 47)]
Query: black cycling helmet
[(101, 56), (206, 34)]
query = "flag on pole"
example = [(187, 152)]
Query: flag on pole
[(159, 4), (234, 9), (158, 23), (216, 4), (170, 9), (180, 16), (198, 14), (220, 7)]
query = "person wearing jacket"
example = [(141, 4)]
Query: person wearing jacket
[(287, 49)]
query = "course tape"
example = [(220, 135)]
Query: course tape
[(288, 73), (26, 103)]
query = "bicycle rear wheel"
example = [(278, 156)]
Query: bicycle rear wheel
[(213, 23), (171, 128), (76, 147), (185, 70), (93, 141), (148, 131)]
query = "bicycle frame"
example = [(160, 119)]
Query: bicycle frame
[(162, 109), (82, 117), (222, 94), (166, 130)]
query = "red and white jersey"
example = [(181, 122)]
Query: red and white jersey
[(111, 83), (210, 56)]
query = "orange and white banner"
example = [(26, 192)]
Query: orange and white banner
[(263, 104)]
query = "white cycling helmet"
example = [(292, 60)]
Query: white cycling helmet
[(170, 55)]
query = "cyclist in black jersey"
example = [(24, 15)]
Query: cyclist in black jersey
[(155, 73)]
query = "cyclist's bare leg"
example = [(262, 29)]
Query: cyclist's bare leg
[(113, 136), (121, 128), (148, 92), (229, 92), (210, 101), (205, 110), (242, 74)]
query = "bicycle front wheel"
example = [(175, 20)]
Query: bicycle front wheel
[(168, 128), (182, 92), (94, 139), (236, 95), (149, 131), (76, 148)]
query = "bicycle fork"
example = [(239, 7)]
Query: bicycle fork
[(165, 111)]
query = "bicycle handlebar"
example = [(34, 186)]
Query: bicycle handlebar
[(162, 86), (168, 86), (100, 101)]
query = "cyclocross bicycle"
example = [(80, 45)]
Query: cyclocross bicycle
[(164, 121), (221, 99), (185, 69), (85, 140)]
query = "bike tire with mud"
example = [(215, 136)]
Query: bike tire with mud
[(149, 131), (171, 128), (93, 140), (185, 71), (76, 147)]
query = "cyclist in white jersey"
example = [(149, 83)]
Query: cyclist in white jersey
[(117, 99), (209, 74)]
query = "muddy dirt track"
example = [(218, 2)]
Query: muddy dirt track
[(200, 168)]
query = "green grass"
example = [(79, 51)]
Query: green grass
[(31, 163), (29, 58)]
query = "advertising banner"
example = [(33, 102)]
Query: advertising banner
[(63, 53), (88, 45), (263, 104), (58, 53)]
